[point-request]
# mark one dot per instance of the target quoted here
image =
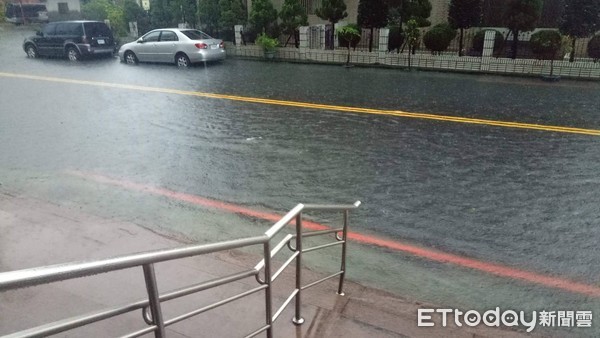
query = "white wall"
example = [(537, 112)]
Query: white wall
[(74, 5)]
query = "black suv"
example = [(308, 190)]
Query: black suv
[(72, 39)]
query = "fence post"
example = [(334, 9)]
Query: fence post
[(268, 290), (321, 29), (238, 29), (343, 264), (154, 301), (488, 49), (133, 29), (298, 320), (384, 38), (303, 45)]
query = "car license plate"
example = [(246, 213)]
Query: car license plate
[(214, 46), (100, 41)]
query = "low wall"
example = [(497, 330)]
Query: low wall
[(487, 63), (493, 65)]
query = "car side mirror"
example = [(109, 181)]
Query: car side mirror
[(140, 40), (39, 33)]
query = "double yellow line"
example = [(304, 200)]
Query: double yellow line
[(445, 118)]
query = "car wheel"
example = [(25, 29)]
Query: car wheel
[(182, 61), (130, 58), (31, 51), (73, 54)]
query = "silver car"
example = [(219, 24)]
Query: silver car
[(173, 45)]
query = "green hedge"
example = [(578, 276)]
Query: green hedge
[(593, 48), (438, 38), (546, 44)]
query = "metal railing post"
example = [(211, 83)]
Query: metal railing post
[(268, 290), (157, 318), (343, 265), (298, 320)]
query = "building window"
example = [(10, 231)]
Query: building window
[(63, 8)]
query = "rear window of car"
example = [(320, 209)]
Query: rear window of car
[(69, 28), (50, 29), (196, 35), (96, 29)]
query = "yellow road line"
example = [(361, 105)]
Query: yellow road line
[(446, 118)]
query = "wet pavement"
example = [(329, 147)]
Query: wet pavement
[(526, 199), (34, 226)]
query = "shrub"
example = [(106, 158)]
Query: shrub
[(593, 48), (438, 38), (267, 43), (545, 44), (263, 15), (396, 38), (478, 40), (349, 34)]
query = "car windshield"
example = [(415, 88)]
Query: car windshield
[(97, 29), (196, 35)]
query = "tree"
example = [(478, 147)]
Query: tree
[(438, 38), (184, 11), (412, 36), (263, 15), (332, 11), (106, 10), (160, 14), (292, 17), (464, 14), (418, 10), (349, 35), (233, 12), (209, 16), (372, 14), (521, 16), (581, 19)]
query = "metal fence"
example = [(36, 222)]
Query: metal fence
[(150, 307), (365, 39), (317, 38), (505, 49)]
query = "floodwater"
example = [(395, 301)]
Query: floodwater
[(526, 199)]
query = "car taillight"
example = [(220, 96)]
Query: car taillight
[(201, 46), (222, 45), (84, 39)]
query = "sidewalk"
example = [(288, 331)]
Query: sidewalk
[(35, 233)]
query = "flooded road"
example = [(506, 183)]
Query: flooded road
[(525, 199)]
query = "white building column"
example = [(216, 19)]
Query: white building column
[(238, 29)]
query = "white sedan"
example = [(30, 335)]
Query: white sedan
[(173, 45)]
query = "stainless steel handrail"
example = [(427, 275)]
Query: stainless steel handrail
[(151, 307)]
